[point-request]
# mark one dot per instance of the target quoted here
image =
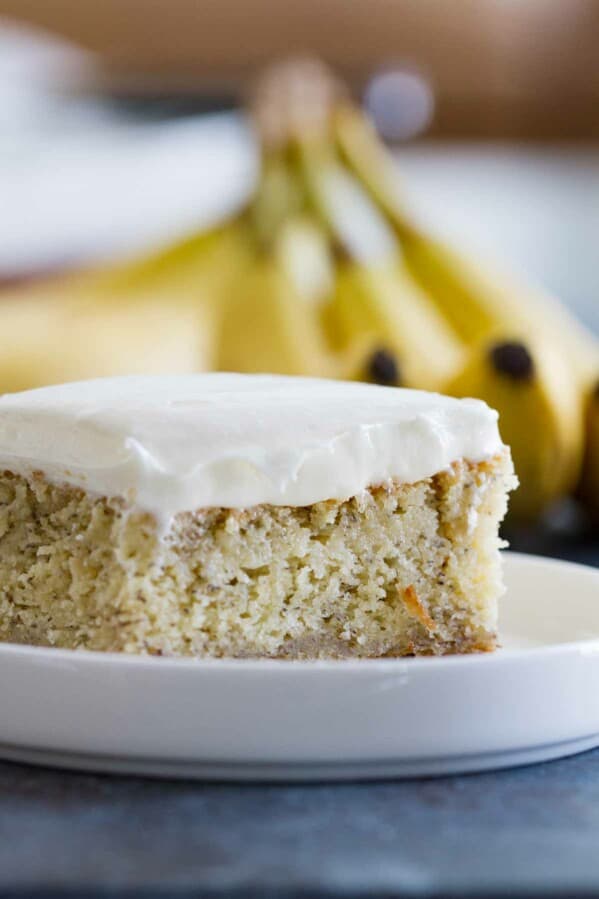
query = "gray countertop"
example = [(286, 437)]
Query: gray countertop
[(528, 831)]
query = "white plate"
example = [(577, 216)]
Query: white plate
[(534, 699)]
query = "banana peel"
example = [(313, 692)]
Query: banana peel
[(476, 299), (152, 316), (374, 293), (588, 488), (479, 300), (271, 318), (383, 301), (269, 328), (540, 415)]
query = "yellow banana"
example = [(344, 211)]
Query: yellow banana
[(479, 300), (155, 315), (474, 298), (374, 293), (46, 341), (540, 415), (278, 196), (267, 328), (361, 149), (271, 319), (588, 489), (383, 301)]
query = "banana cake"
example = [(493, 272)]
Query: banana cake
[(225, 515)]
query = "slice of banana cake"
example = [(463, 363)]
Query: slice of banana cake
[(250, 515)]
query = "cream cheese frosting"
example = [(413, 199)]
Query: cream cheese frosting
[(181, 442)]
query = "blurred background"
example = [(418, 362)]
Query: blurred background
[(122, 130), (123, 135)]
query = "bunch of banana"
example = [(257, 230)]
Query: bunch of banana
[(438, 319), (325, 273), (475, 298), (528, 356)]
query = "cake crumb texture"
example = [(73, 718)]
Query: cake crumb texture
[(399, 569)]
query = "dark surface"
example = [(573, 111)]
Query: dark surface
[(532, 828), (566, 535), (530, 831)]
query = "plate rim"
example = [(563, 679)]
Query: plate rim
[(297, 771)]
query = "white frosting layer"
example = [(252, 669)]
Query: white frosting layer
[(177, 443)]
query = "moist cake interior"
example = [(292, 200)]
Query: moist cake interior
[(398, 569)]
